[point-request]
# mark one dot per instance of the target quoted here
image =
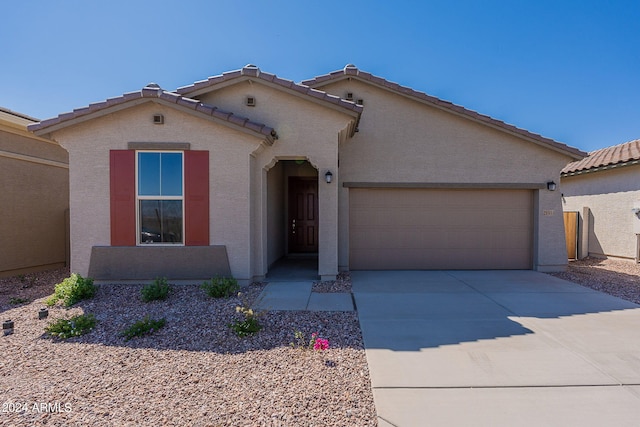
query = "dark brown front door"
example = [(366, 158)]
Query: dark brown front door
[(303, 214)]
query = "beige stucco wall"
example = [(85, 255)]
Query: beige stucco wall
[(89, 144), (400, 140), (610, 195), (276, 246), (403, 140), (34, 178), (306, 131)]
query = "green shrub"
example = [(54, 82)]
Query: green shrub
[(246, 327), (221, 287), (249, 325), (71, 290), (73, 327), (18, 301), (158, 290), (142, 327)]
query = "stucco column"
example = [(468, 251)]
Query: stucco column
[(583, 249), (551, 244), (328, 223)]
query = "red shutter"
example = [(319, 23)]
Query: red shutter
[(196, 198), (123, 197)]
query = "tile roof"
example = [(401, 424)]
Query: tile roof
[(618, 154), (351, 71), (151, 92), (253, 72)]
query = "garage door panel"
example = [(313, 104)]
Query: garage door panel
[(440, 229)]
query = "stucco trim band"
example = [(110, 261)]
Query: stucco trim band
[(159, 146), (445, 185), (32, 159)]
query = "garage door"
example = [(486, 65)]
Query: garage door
[(395, 229)]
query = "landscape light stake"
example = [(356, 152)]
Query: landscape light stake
[(7, 327)]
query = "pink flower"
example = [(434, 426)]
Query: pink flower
[(321, 344)]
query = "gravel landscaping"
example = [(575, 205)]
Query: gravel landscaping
[(194, 371), (341, 284), (619, 278)]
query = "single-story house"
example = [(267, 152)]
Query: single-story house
[(34, 177), (239, 170), (604, 190)]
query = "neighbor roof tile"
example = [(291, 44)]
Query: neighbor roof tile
[(614, 155)]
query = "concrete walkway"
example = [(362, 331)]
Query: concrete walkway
[(298, 296), (289, 287), (497, 348)]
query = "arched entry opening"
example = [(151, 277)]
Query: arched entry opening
[(292, 221)]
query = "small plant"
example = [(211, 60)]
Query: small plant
[(18, 301), (71, 290), (314, 343), (158, 290), (142, 327), (249, 325), (221, 287), (73, 327)]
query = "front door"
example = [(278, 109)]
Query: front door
[(303, 214)]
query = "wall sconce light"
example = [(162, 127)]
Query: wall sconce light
[(551, 186), (328, 177)]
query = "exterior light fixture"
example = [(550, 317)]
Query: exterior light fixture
[(551, 186), (7, 327), (43, 313), (328, 177)]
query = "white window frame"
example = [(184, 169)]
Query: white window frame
[(138, 198)]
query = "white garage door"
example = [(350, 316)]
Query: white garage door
[(405, 228)]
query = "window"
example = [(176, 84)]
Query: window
[(159, 197), (125, 200)]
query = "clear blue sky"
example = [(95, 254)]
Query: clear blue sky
[(567, 69)]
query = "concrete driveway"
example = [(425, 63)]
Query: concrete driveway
[(497, 348)]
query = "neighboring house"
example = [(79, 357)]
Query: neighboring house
[(34, 181), (604, 188), (232, 173)]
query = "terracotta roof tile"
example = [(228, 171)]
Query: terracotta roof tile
[(205, 108), (151, 92), (255, 126), (240, 121), (129, 96), (221, 114), (352, 71), (191, 103), (231, 74), (169, 96), (254, 72), (617, 154), (316, 93), (267, 76)]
